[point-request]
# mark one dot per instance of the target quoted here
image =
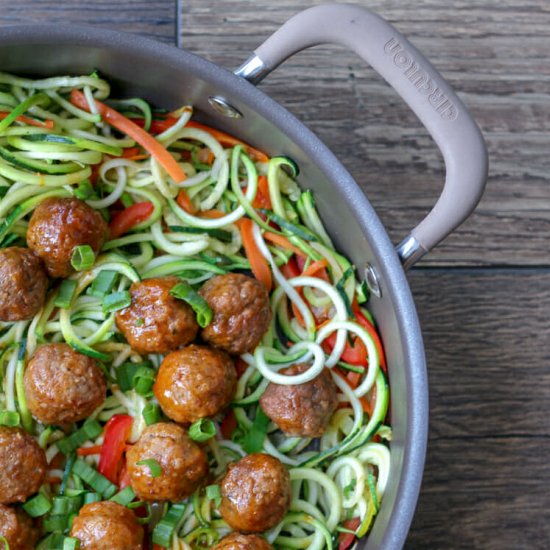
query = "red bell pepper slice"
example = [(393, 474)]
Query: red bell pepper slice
[(128, 218), (347, 539), (117, 431), (369, 327)]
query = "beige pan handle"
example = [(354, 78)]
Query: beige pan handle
[(417, 82)]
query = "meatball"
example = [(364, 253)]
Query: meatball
[(107, 526), (156, 322), (62, 385), (57, 226), (304, 409), (194, 383), (17, 528), (236, 541), (241, 311), (256, 493), (183, 463), (23, 465), (23, 284)]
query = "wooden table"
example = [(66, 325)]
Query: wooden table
[(483, 296)]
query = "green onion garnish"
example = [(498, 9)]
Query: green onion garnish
[(67, 472), (83, 257), (115, 301), (155, 469), (213, 492), (253, 440), (90, 497), (94, 479), (65, 505), (57, 523), (126, 374), (143, 380), (103, 283), (37, 506), (151, 414), (164, 530), (202, 430), (126, 200), (220, 234), (65, 294), (182, 291), (9, 418), (89, 430), (125, 496), (56, 541), (84, 190)]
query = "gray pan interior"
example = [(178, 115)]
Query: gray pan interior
[(169, 78)]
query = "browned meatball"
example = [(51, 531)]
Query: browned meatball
[(256, 493), (195, 382), (17, 528), (57, 226), (23, 465), (62, 385), (23, 284), (237, 541), (241, 312), (156, 322), (304, 409), (183, 463), (107, 526)]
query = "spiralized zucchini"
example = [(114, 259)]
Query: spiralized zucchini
[(51, 147)]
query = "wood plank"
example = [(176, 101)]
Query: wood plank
[(487, 340), (154, 19), (493, 53)]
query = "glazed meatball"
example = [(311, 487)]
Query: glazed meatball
[(23, 284), (237, 541), (17, 528), (57, 226), (107, 526), (183, 463), (156, 322), (62, 385), (301, 410), (256, 493), (194, 383), (241, 311), (23, 465)]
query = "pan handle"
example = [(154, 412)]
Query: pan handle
[(417, 82)]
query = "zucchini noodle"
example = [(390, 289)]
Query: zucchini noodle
[(52, 148)]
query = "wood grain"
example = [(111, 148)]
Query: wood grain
[(493, 53), (487, 339), (154, 19)]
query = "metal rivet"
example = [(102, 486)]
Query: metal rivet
[(221, 106), (372, 280)]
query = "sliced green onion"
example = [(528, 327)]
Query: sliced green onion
[(65, 294), (155, 469), (94, 479), (164, 530), (83, 257), (90, 497), (37, 506), (10, 418), (104, 282), (183, 291), (57, 541), (253, 440), (151, 413), (116, 301), (57, 523), (89, 430), (126, 200), (213, 492), (202, 430), (125, 496), (220, 234), (67, 472), (65, 505), (126, 372), (143, 380)]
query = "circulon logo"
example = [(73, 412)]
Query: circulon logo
[(402, 59)]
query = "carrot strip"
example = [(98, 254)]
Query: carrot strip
[(228, 140), (282, 241), (315, 267), (258, 263), (147, 141), (49, 124), (262, 198), (87, 451)]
